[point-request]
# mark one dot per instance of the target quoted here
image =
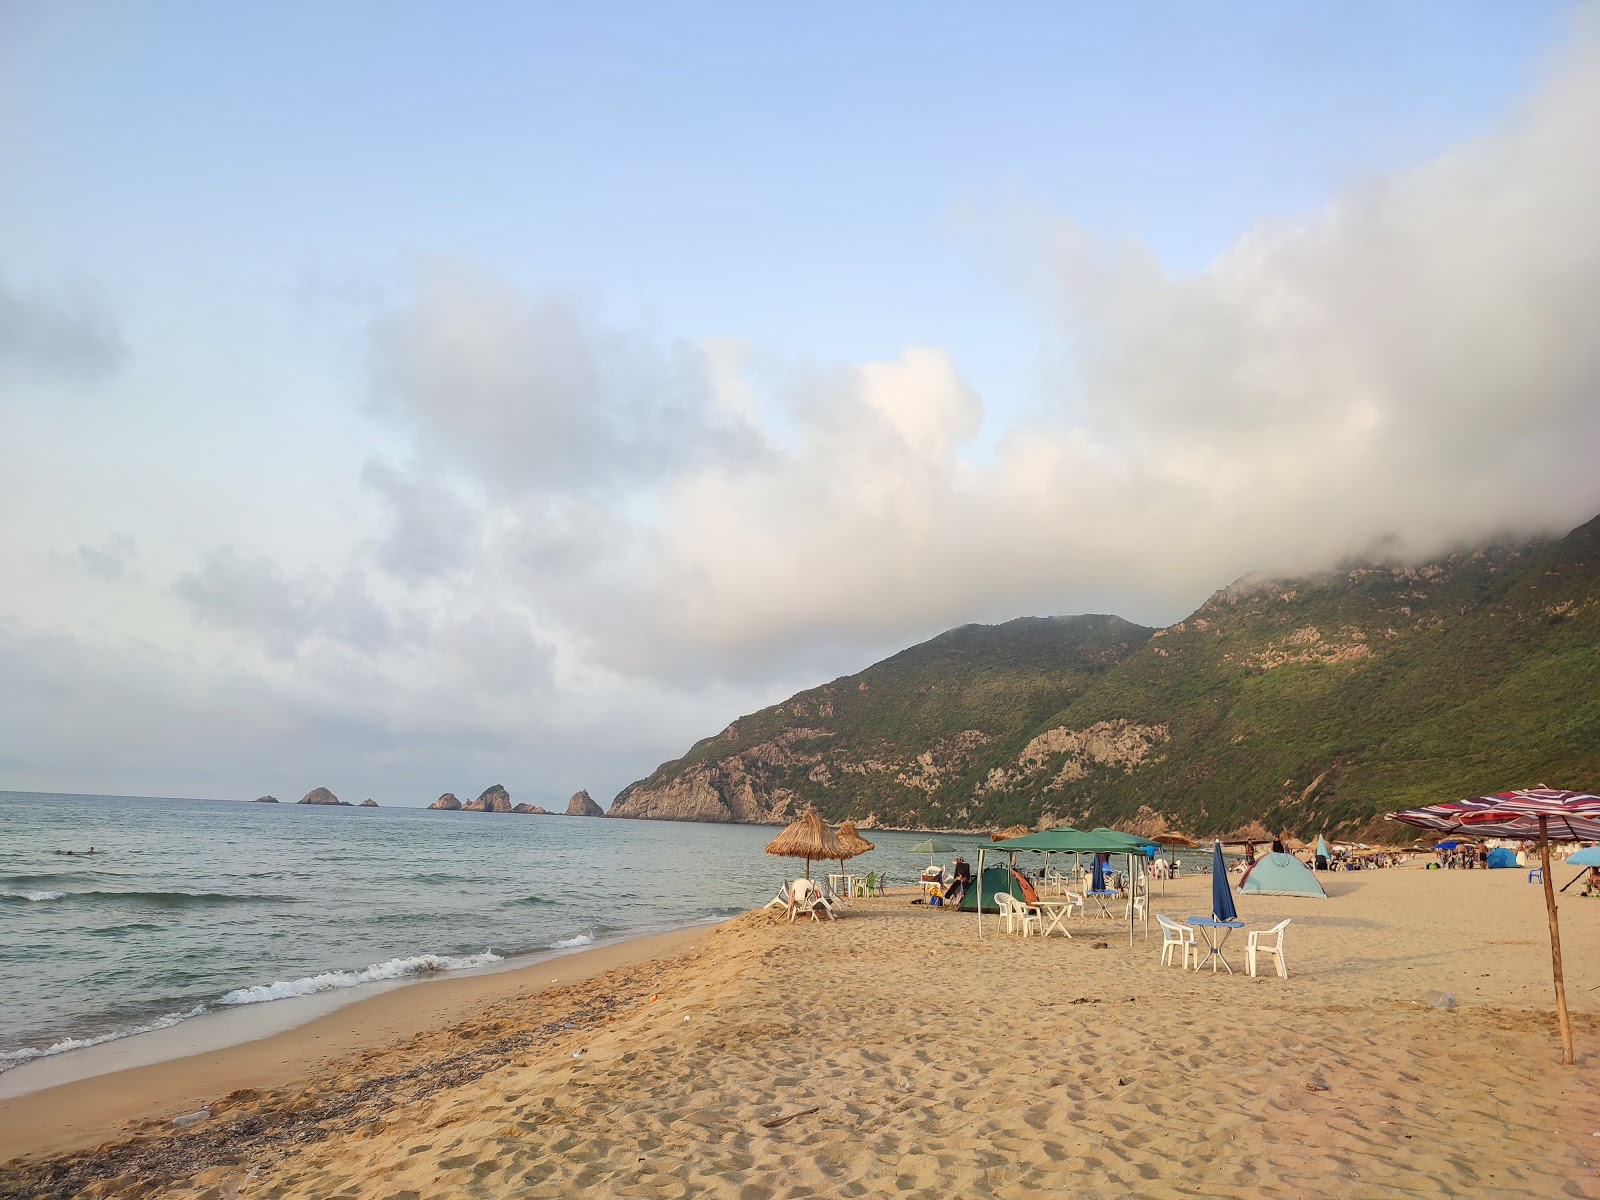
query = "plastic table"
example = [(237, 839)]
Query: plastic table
[(1216, 933)]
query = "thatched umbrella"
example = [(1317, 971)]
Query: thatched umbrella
[(807, 838), (1015, 831), (851, 843)]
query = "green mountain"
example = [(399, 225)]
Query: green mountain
[(1310, 705)]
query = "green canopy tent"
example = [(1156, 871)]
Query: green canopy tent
[(1065, 840)]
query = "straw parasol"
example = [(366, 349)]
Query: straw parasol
[(1175, 839), (852, 841), (807, 838), (1014, 831)]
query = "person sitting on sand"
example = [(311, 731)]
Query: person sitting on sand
[(1592, 887), (960, 881)]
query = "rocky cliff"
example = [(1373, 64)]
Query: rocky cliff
[(446, 803), (494, 799), (369, 802), (265, 800), (532, 810), (582, 805), (320, 795)]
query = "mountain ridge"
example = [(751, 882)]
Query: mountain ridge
[(1306, 703)]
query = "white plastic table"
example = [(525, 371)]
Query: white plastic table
[(1055, 913)]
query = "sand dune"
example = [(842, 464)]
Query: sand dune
[(893, 1051)]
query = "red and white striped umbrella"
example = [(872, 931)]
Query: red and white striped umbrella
[(1569, 816), (1549, 814)]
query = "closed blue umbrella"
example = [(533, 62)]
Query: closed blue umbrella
[(1221, 894), (1097, 882)]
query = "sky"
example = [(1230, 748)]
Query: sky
[(405, 398)]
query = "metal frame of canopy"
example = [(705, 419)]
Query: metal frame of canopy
[(1076, 841)]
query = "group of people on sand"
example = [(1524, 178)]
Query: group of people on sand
[(949, 895)]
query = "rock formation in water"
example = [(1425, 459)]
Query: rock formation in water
[(319, 795), (582, 805), (265, 800), (532, 809), (369, 802), (447, 803), (495, 798)]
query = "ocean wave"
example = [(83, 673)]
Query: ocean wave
[(34, 897), (395, 968), (532, 900), (581, 939), (180, 899), (15, 1058)]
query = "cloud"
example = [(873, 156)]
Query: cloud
[(69, 338), (431, 531), (280, 614), (529, 393)]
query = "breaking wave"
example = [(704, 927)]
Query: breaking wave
[(395, 968), (34, 897)]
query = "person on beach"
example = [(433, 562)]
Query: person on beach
[(1277, 844), (1592, 887), (960, 881)]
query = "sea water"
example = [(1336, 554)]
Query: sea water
[(196, 906)]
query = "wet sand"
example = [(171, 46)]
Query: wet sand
[(894, 1051)]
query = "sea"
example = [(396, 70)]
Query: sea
[(193, 907)]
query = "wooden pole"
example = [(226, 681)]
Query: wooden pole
[(1555, 942)]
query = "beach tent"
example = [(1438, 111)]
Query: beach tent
[(1280, 875), (996, 880), (1500, 856)]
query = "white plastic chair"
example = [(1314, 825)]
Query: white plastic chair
[(1255, 944), (1180, 938), (1018, 916), (781, 900), (1074, 901)]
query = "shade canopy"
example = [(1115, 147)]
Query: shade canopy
[(1066, 840), (807, 838), (1182, 840), (1569, 816), (852, 841), (1589, 856), (1550, 813)]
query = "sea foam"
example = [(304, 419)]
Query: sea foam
[(33, 896), (395, 968), (582, 939)]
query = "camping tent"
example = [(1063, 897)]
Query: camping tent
[(1281, 875), (1502, 856), (995, 881)]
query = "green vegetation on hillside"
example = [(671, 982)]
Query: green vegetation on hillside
[(1311, 705)]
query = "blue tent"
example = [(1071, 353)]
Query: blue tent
[(1500, 856), (1281, 875)]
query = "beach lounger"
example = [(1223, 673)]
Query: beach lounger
[(1256, 944)]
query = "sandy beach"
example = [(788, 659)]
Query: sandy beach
[(895, 1051)]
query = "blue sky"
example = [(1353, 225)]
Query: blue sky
[(358, 351)]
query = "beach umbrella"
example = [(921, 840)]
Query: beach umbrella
[(851, 843), (1221, 892), (1589, 856), (1097, 882), (931, 847), (1011, 831), (1562, 815), (807, 838), (1447, 844)]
